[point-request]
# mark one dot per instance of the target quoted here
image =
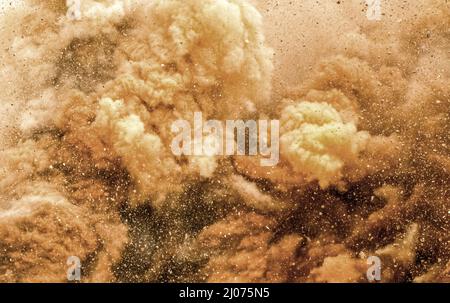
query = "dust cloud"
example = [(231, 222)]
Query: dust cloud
[(86, 168)]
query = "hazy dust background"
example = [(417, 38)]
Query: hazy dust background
[(86, 167)]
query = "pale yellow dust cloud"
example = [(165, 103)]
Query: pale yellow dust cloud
[(87, 169)]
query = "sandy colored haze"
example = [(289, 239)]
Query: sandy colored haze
[(86, 167)]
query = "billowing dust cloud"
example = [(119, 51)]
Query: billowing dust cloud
[(87, 170)]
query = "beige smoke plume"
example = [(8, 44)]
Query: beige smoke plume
[(86, 167), (99, 95)]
